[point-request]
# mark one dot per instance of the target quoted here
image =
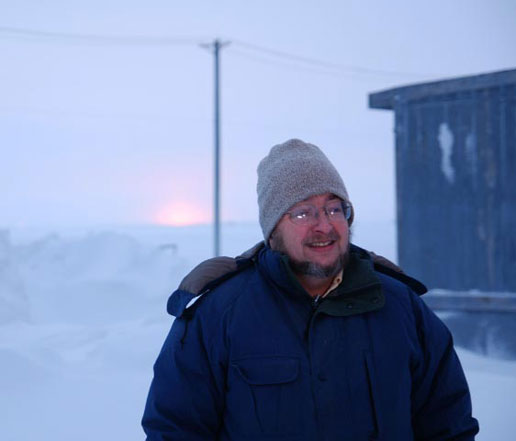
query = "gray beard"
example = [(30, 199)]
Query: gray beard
[(319, 271), (306, 268)]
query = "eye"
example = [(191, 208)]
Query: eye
[(335, 210), (301, 213)]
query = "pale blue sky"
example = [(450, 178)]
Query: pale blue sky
[(92, 133)]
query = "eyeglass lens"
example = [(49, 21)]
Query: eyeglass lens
[(308, 214)]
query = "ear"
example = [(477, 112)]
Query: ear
[(272, 239), (352, 217)]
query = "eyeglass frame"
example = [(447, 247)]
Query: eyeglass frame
[(314, 219)]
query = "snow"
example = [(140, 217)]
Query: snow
[(82, 318), (446, 145)]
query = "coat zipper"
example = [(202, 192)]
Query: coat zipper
[(315, 302)]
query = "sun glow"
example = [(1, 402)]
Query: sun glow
[(180, 214)]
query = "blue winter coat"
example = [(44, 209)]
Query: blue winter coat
[(256, 359)]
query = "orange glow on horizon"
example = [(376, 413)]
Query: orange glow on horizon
[(180, 214)]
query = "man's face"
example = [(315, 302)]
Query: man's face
[(319, 250)]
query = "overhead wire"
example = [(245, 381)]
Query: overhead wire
[(286, 64), (321, 63), (239, 48), (126, 40), (324, 67)]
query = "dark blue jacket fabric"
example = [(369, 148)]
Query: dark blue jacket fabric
[(256, 359)]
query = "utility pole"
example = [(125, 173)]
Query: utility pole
[(215, 47)]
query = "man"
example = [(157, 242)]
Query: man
[(305, 338)]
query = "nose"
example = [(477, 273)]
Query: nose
[(323, 222)]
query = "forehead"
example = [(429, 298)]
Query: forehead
[(317, 199)]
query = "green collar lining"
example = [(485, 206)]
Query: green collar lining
[(359, 292)]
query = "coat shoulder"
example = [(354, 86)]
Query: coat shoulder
[(397, 293), (216, 296), (393, 285)]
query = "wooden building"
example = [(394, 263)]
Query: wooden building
[(456, 180)]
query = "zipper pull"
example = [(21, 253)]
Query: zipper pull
[(315, 301)]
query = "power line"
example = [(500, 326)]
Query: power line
[(145, 40), (287, 64), (325, 64), (119, 40)]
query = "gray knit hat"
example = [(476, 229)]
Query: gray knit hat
[(290, 173)]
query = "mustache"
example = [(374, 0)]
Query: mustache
[(332, 235)]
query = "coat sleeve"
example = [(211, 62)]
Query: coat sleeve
[(186, 397), (441, 402)]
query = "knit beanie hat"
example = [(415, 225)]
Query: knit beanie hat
[(290, 173)]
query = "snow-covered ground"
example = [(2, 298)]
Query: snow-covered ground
[(82, 318)]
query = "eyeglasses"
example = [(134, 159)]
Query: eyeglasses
[(337, 211)]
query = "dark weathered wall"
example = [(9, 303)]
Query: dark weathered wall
[(456, 186)]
